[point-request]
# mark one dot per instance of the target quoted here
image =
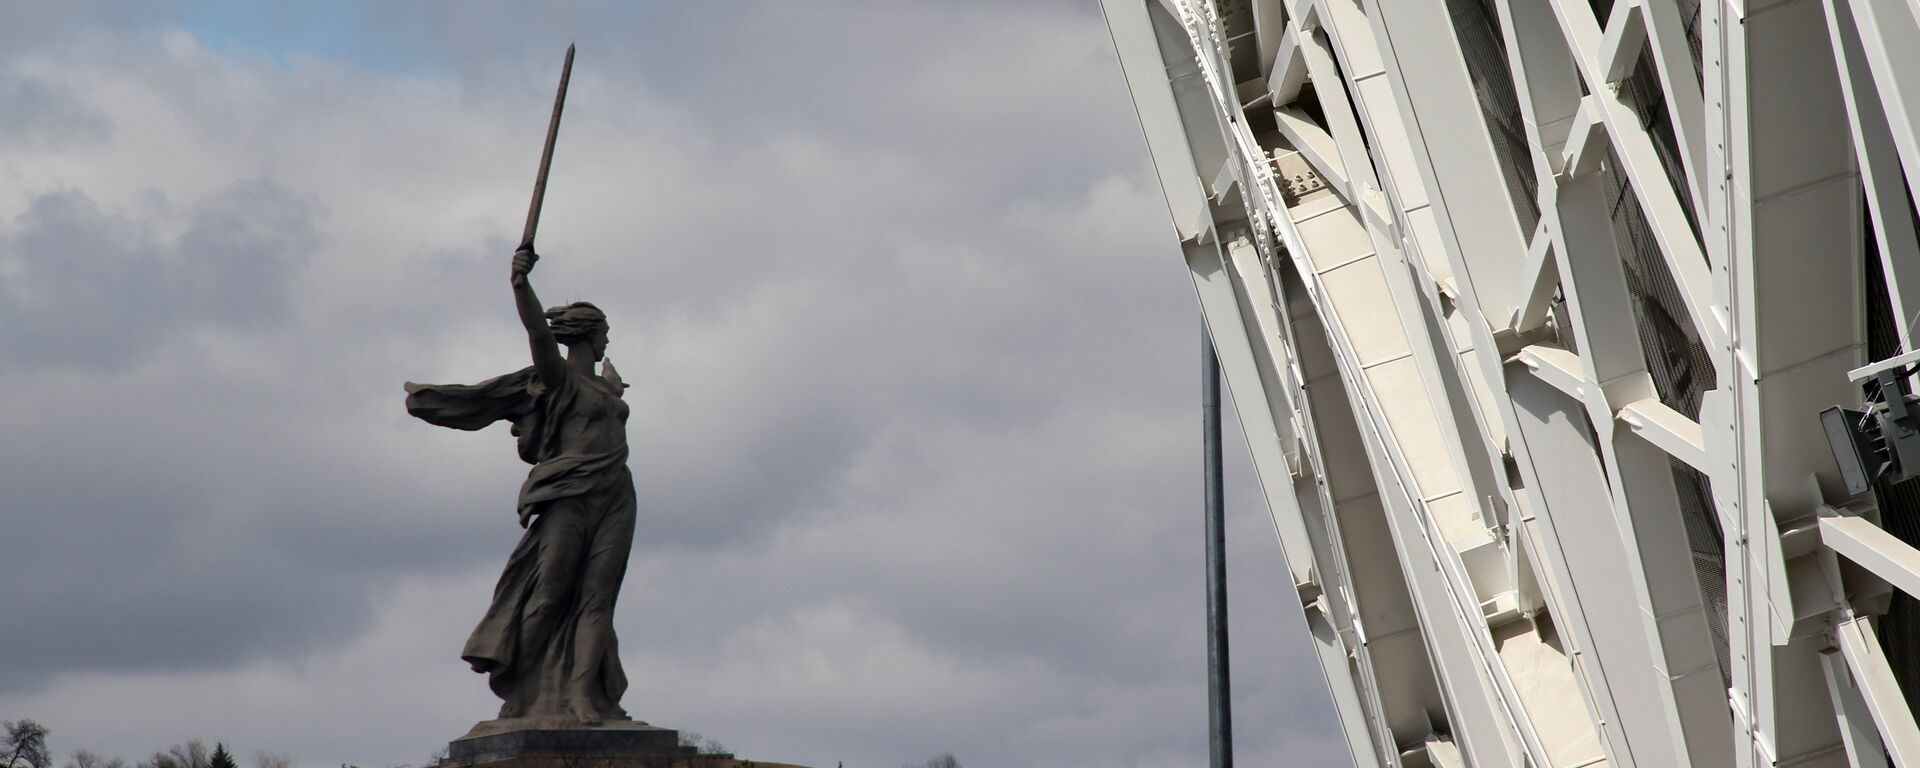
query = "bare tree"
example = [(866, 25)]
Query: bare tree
[(85, 759), (265, 759), (946, 760), (712, 746), (25, 745), (192, 754), (701, 744)]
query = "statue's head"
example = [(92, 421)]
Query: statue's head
[(580, 323)]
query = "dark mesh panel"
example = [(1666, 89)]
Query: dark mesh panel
[(1601, 10), (1682, 374), (1899, 504), (1709, 556), (1477, 26), (1641, 91), (1682, 371), (1690, 13)]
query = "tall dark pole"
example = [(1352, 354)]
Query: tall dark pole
[(1219, 715)]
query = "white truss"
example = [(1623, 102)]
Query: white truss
[(1528, 308)]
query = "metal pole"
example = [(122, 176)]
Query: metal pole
[(1219, 716)]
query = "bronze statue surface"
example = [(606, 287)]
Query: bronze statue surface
[(547, 641)]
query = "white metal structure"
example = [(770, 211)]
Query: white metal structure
[(1528, 309)]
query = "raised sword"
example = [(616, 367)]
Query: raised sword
[(546, 161)]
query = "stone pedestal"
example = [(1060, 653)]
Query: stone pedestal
[(525, 741), (565, 743)]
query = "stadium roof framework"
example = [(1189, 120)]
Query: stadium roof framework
[(1529, 309)]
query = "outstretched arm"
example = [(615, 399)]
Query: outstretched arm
[(547, 362)]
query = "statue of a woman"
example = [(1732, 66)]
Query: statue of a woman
[(547, 642)]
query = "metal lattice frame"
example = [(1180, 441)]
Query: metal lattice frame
[(1528, 308)]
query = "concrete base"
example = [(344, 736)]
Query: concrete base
[(566, 743)]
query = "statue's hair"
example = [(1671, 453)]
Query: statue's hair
[(577, 322)]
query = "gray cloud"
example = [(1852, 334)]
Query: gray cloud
[(45, 116), (95, 288), (30, 25), (913, 364)]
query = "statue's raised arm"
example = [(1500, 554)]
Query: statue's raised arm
[(547, 362)]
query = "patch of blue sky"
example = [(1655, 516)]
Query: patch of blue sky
[(279, 32)]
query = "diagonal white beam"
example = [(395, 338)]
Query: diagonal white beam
[(1868, 661), (1289, 72), (1890, 37), (1533, 292), (1864, 748), (1879, 157), (1640, 163), (1673, 60), (1688, 723), (1620, 44), (1557, 367), (1157, 105), (1667, 429), (1320, 150), (1586, 139)]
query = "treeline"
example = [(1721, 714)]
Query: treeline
[(25, 746)]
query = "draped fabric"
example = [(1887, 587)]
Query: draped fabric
[(547, 640)]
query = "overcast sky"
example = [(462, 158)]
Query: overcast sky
[(914, 361)]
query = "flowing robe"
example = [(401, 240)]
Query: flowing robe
[(547, 641)]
